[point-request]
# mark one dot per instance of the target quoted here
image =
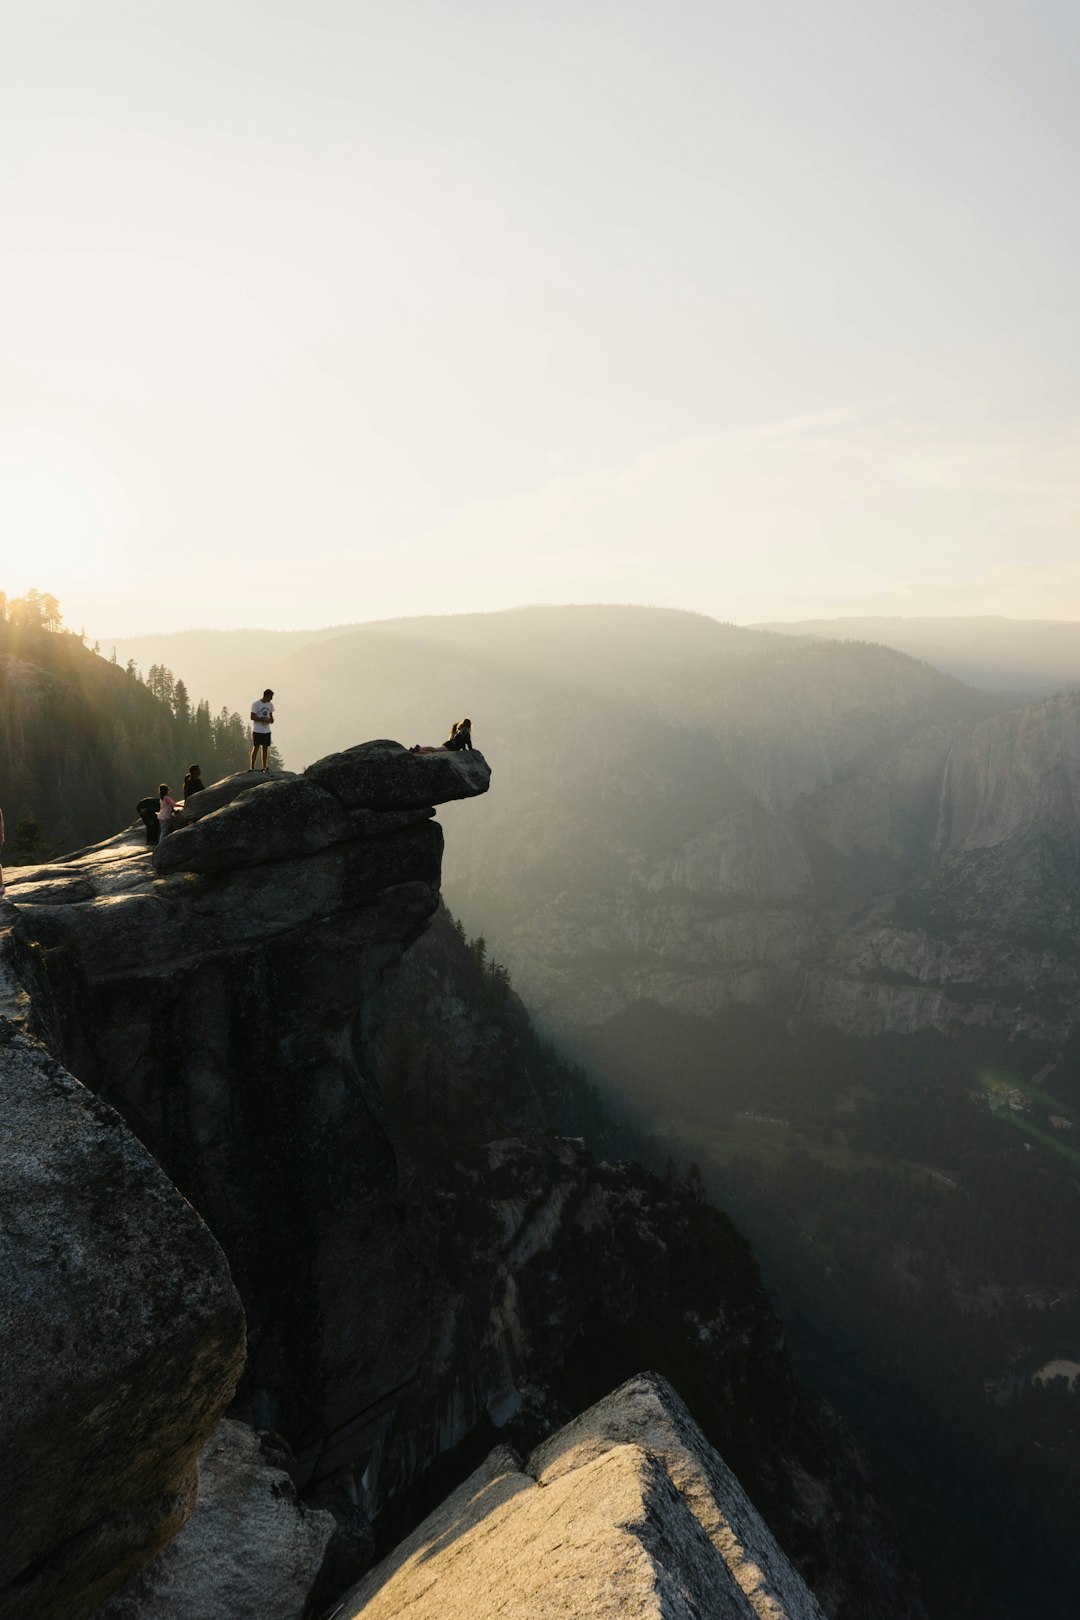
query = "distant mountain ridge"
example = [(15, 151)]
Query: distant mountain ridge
[(992, 651)]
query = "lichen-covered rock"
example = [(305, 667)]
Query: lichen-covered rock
[(383, 775), (626, 1511), (250, 1551), (121, 1341)]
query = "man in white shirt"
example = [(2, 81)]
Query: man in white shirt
[(262, 718)]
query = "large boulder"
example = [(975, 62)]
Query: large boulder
[(626, 1511), (121, 1342), (250, 1551), (276, 821), (219, 794), (383, 775), (270, 821)]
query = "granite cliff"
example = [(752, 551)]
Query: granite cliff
[(217, 1010), (121, 1339), (422, 1272)]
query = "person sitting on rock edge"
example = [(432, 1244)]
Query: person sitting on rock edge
[(193, 782), (460, 737), (262, 718), (165, 813)]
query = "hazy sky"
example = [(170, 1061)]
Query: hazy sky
[(313, 312)]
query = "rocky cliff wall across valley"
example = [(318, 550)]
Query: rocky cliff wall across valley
[(917, 875)]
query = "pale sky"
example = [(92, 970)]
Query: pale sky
[(314, 311)]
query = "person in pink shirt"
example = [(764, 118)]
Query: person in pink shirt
[(168, 807)]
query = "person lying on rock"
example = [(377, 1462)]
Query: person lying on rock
[(460, 737), (193, 782)]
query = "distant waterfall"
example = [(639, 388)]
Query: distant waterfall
[(941, 831)]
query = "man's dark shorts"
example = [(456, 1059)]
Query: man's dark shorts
[(260, 739)]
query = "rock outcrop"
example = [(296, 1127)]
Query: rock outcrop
[(212, 991), (626, 1511), (250, 1551), (121, 1341)]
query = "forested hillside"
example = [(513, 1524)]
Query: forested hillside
[(82, 739)]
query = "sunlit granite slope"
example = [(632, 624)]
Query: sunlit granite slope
[(626, 1511)]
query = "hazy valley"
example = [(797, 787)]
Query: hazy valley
[(807, 909)]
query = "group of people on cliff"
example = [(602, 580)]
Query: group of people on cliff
[(157, 811)]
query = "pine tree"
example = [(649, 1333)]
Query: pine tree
[(30, 843)]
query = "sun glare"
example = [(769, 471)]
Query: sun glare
[(46, 529)]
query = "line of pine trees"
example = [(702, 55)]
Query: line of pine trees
[(83, 738)]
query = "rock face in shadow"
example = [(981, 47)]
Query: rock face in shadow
[(121, 1341), (626, 1511), (250, 1551), (213, 991), (553, 1278)]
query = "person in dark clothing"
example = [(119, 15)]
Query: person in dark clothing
[(460, 737), (193, 782), (147, 811)]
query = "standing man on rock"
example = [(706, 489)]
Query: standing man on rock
[(262, 718)]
